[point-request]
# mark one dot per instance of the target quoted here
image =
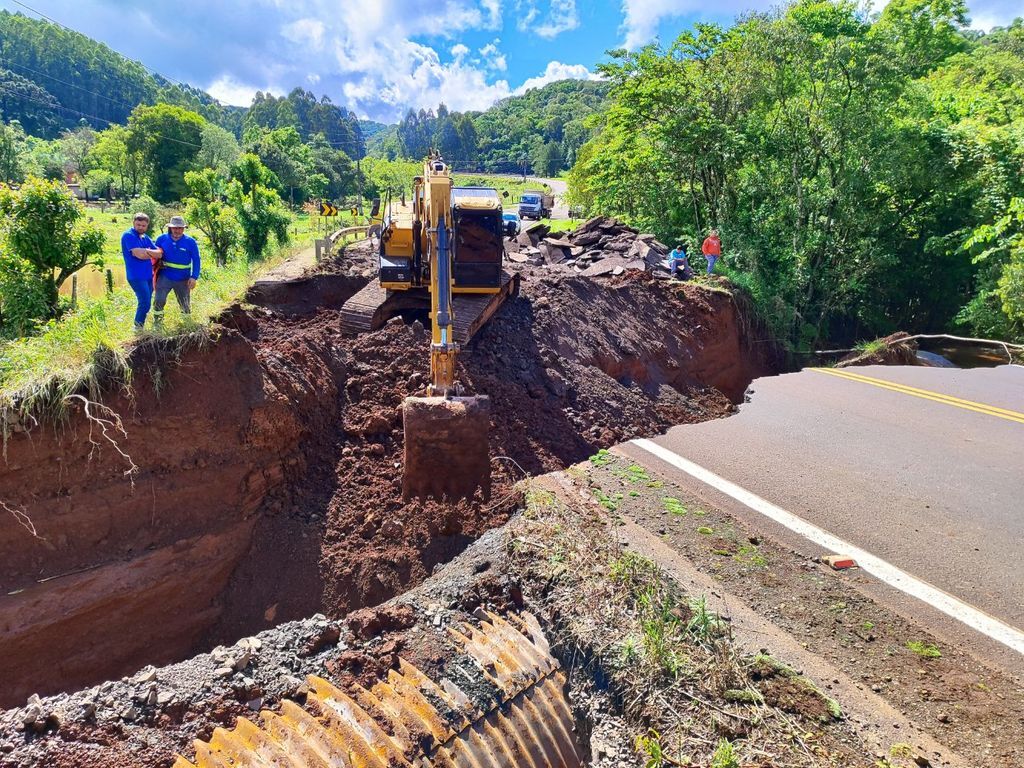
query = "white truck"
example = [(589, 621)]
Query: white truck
[(534, 204)]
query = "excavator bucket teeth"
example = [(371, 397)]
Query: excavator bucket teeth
[(446, 451)]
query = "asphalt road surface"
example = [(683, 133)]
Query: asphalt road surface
[(922, 467)]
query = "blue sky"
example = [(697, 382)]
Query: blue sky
[(380, 57)]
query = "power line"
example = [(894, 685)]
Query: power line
[(75, 31), (59, 106), (70, 85)]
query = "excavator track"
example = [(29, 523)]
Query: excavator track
[(410, 720), (365, 310), (472, 311), (373, 306)]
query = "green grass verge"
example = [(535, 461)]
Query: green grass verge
[(37, 373)]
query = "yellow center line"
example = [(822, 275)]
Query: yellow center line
[(925, 394), (909, 389)]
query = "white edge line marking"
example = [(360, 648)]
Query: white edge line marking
[(876, 566)]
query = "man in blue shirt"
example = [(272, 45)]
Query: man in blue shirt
[(178, 268), (139, 251), (678, 264)]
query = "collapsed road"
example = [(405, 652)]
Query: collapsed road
[(276, 491), (263, 586)]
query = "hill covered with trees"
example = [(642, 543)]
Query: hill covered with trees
[(51, 78), (541, 130), (866, 171)]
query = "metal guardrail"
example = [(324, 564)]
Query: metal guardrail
[(325, 246)]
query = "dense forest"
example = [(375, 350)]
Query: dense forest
[(51, 78), (866, 171), (71, 105), (540, 131)]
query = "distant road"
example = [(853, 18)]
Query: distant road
[(921, 467), (558, 187)]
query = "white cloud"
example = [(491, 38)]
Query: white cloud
[(308, 32), (492, 57), (458, 51), (227, 90), (561, 17), (556, 70), (642, 17)]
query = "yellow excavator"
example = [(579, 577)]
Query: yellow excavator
[(445, 255)]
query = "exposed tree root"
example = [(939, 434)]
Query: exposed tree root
[(23, 520), (108, 422)]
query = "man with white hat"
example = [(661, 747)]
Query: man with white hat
[(178, 268)]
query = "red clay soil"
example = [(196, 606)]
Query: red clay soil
[(269, 482)]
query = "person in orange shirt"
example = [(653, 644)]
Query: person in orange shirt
[(712, 249)]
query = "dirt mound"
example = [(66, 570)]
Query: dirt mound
[(270, 463)]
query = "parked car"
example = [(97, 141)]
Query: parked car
[(511, 222)]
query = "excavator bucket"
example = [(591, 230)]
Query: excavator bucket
[(446, 450)]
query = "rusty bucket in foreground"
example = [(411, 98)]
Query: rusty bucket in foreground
[(410, 720), (446, 450)]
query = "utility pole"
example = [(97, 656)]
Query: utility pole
[(359, 186)]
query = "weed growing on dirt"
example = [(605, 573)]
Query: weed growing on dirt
[(601, 459), (668, 660), (901, 749), (749, 554), (725, 756), (924, 650), (705, 531), (674, 506), (649, 746), (870, 347)]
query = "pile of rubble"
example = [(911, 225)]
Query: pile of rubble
[(602, 245)]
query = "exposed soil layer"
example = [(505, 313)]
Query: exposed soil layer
[(269, 465)]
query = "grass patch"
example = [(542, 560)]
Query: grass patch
[(601, 459), (89, 346), (925, 651), (870, 347), (674, 506), (562, 225), (705, 531)]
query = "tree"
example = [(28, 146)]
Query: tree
[(260, 211), (76, 146), (281, 150), (549, 159), (12, 152), (207, 211), (98, 182), (110, 153), (31, 105), (219, 151), (42, 231), (169, 139)]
